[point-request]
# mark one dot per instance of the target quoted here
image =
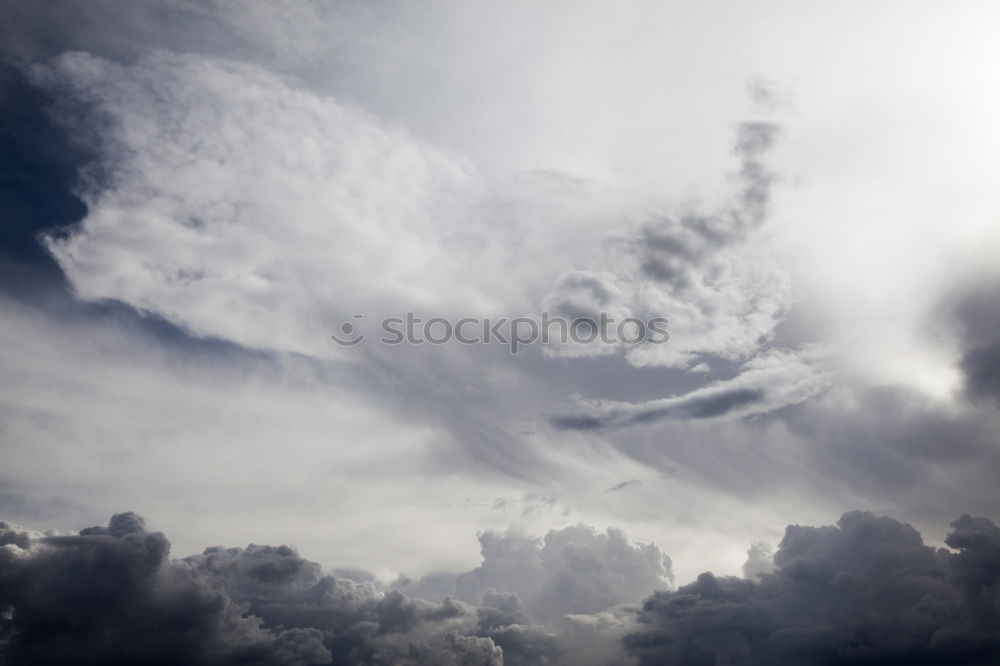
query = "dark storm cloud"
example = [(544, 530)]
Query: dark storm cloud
[(359, 623), (112, 596), (867, 591)]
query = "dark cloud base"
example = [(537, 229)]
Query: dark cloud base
[(867, 591), (864, 591)]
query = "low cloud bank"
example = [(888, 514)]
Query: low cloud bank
[(864, 591)]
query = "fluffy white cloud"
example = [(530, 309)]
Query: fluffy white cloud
[(570, 571), (244, 207)]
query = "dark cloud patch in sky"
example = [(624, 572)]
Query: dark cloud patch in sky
[(982, 371), (670, 250), (631, 483), (699, 405), (112, 596), (753, 140), (753, 392), (717, 404), (866, 591), (360, 623), (975, 313)]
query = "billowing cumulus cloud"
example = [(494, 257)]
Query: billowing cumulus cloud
[(760, 560), (112, 596), (866, 590), (707, 272), (570, 571)]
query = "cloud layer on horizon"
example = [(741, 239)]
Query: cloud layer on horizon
[(866, 590)]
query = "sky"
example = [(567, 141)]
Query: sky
[(197, 198)]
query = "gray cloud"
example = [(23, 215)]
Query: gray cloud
[(112, 596), (705, 272), (631, 483), (576, 570), (866, 591), (760, 560), (674, 251), (972, 317), (766, 383)]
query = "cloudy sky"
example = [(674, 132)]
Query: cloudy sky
[(195, 196)]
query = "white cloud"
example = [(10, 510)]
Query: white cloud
[(243, 207)]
